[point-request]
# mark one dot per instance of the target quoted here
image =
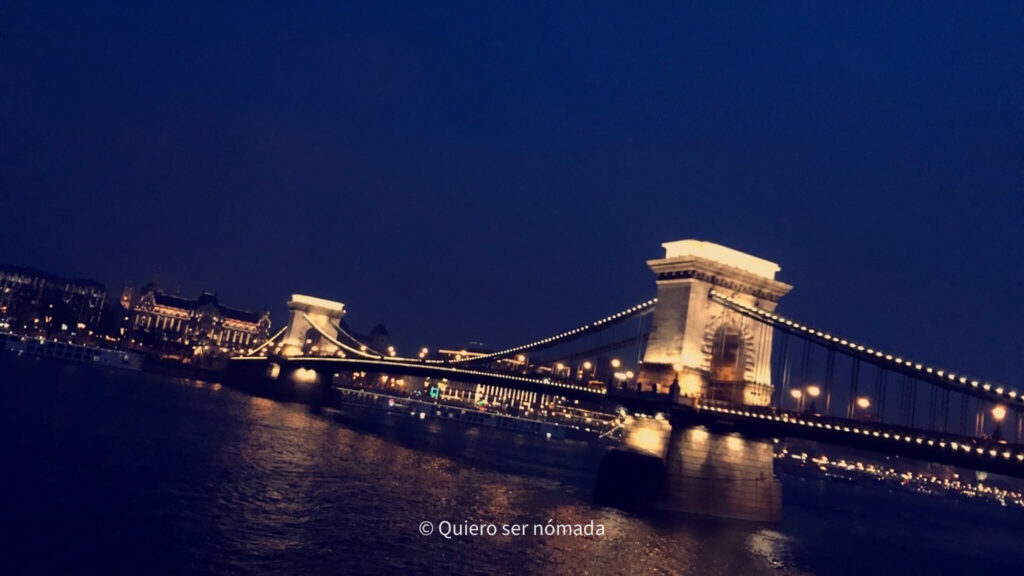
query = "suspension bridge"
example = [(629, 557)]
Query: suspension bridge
[(713, 354)]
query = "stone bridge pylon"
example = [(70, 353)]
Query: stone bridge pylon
[(711, 351), (302, 310)]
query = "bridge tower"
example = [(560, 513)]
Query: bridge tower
[(711, 351), (302, 310)]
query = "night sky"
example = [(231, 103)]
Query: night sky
[(495, 173)]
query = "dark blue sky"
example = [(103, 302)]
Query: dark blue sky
[(478, 171)]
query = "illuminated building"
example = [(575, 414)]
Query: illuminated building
[(21, 291), (34, 301), (126, 297), (164, 320)]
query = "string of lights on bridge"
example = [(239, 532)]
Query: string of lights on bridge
[(409, 362), (360, 352), (367, 352), (460, 371), (975, 387), (953, 446), (643, 307), (269, 341)]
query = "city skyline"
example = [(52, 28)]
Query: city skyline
[(498, 182), (464, 288)]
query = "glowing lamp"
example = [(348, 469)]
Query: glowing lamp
[(999, 412)]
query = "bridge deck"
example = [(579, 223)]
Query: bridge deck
[(925, 445), (931, 446), (515, 381)]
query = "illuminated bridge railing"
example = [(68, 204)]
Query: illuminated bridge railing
[(923, 372), (453, 373), (883, 438)]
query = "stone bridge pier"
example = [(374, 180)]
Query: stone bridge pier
[(690, 469), (699, 347)]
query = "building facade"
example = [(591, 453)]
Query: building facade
[(195, 326), (33, 301)]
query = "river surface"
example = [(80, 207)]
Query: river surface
[(107, 472)]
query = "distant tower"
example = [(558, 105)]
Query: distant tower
[(379, 339), (711, 350), (126, 297)]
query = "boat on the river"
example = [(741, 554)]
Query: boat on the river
[(58, 350)]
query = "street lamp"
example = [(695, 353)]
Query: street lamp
[(813, 391), (863, 403), (616, 363), (584, 368), (999, 412), (798, 395)]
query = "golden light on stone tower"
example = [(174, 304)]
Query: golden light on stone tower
[(713, 351)]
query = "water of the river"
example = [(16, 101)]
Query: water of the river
[(106, 472)]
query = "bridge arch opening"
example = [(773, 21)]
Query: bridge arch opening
[(727, 358)]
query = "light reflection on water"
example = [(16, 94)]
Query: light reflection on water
[(137, 474)]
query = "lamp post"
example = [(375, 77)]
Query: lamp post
[(620, 378), (998, 414), (863, 403), (521, 361), (586, 367), (813, 391), (798, 395)]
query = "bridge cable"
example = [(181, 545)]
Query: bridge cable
[(337, 342), (854, 388), (640, 309), (407, 362), (880, 392), (830, 366), (960, 383), (268, 342), (781, 374), (362, 346)]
